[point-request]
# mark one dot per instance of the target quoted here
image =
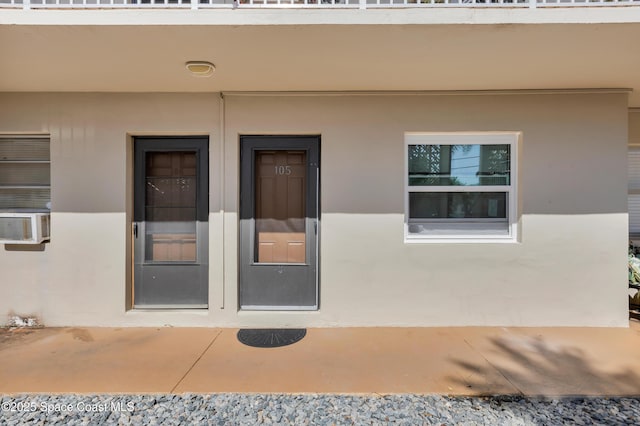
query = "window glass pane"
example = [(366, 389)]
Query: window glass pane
[(170, 206), (634, 213), (280, 205), (457, 205), (175, 192), (25, 174), (443, 165), (26, 199), (24, 149)]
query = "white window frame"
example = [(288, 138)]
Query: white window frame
[(38, 218), (513, 139)]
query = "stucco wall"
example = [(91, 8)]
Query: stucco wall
[(81, 276), (568, 269)]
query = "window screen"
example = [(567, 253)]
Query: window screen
[(25, 173)]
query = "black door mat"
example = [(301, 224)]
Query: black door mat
[(271, 337)]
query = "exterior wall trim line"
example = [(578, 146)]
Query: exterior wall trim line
[(621, 90)]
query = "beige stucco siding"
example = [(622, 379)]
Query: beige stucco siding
[(81, 276), (567, 269)]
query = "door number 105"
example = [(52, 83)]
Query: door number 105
[(283, 170)]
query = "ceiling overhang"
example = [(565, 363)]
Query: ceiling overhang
[(327, 57)]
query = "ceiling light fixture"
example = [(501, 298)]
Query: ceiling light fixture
[(200, 68)]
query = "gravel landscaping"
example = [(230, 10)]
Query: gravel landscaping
[(309, 409)]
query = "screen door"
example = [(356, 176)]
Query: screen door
[(279, 222), (170, 222)]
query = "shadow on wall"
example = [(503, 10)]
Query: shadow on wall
[(536, 367), (24, 247)]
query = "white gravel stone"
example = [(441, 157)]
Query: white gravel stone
[(244, 409)]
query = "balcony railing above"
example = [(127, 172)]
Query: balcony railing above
[(361, 4)]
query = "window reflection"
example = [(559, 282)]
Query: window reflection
[(170, 206), (457, 205), (459, 165)]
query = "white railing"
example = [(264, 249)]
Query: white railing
[(362, 4)]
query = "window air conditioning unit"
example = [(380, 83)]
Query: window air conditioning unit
[(24, 228)]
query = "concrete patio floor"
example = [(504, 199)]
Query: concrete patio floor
[(452, 361)]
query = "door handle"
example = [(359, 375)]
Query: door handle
[(135, 230)]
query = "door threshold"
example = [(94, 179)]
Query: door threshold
[(277, 308), (170, 307)]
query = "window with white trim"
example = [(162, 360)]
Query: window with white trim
[(460, 186), (25, 177), (25, 189)]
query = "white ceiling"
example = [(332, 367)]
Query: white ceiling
[(151, 58)]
